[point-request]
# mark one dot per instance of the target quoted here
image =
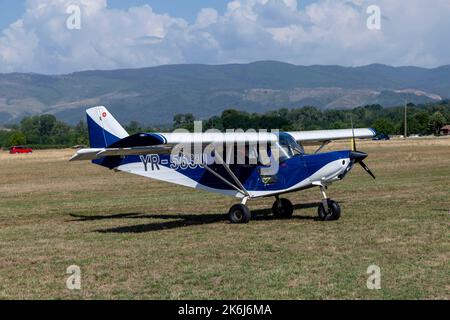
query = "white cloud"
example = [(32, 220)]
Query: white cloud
[(206, 17), (324, 32)]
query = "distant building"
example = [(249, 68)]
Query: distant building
[(445, 130)]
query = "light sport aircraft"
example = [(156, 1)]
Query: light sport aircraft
[(274, 162)]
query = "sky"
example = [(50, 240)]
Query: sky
[(11, 10), (48, 36)]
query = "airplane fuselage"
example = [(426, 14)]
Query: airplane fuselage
[(296, 173)]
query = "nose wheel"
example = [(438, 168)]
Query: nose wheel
[(328, 209), (333, 211)]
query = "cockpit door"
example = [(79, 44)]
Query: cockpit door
[(269, 165)]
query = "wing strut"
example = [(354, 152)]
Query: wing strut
[(324, 143), (240, 187), (233, 175), (244, 192)]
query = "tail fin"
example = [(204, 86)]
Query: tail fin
[(103, 128)]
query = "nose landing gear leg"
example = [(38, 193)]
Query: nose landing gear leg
[(328, 209)]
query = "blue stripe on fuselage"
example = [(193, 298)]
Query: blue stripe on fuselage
[(290, 173)]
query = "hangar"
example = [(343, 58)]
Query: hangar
[(445, 130)]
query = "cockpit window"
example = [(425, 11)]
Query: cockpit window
[(288, 147)]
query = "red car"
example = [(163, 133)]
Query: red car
[(20, 149)]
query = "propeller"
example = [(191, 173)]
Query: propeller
[(365, 167), (358, 156)]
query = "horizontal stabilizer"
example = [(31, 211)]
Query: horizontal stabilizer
[(96, 153)]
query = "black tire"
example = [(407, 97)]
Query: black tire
[(239, 213), (282, 208), (334, 211)]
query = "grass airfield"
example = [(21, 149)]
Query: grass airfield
[(135, 238)]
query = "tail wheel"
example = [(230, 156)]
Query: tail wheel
[(333, 213), (239, 213), (282, 208)]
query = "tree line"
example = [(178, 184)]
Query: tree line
[(45, 131), (423, 119)]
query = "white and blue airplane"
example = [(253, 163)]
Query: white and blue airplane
[(257, 164)]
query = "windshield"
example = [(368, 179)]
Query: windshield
[(288, 147)]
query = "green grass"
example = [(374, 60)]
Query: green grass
[(138, 238)]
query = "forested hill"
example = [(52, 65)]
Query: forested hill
[(153, 95)]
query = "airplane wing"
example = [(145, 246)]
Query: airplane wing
[(158, 143), (175, 138), (320, 136), (97, 153)]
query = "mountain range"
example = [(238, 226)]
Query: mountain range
[(154, 95)]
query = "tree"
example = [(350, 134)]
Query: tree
[(59, 134), (46, 124), (214, 122), (437, 121), (29, 126), (16, 138), (80, 135), (384, 125), (38, 129), (419, 123), (185, 121), (306, 118), (234, 119), (133, 127), (4, 137)]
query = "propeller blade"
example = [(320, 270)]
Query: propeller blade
[(365, 167), (358, 156), (352, 142)]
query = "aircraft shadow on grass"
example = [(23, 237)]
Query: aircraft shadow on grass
[(183, 220)]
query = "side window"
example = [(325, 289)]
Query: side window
[(252, 153), (270, 159), (264, 155)]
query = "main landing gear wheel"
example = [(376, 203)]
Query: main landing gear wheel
[(282, 208), (239, 213), (333, 212)]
